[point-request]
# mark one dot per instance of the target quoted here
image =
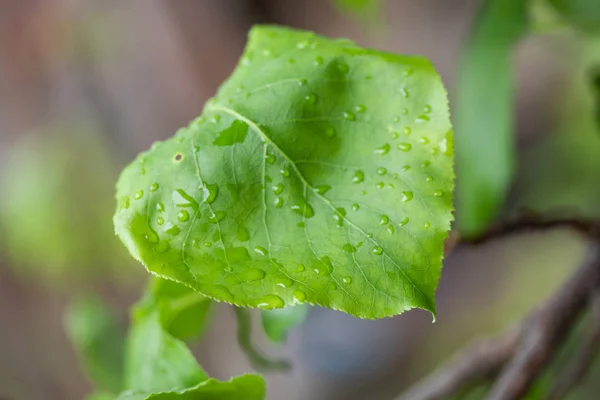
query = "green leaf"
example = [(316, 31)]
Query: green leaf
[(101, 396), (485, 150), (582, 13), (183, 312), (278, 323), (156, 361), (99, 342), (340, 194), (361, 8), (245, 387)]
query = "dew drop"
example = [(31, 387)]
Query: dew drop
[(311, 98), (426, 163), (160, 221), (196, 149), (125, 202), (396, 119), (381, 171), (384, 220), (423, 118), (278, 202), (302, 82), (355, 207), (377, 250), (173, 230), (323, 266), (405, 168), (339, 215), (369, 235), (349, 248), (183, 216), (380, 185), (318, 60), (407, 196), (395, 135), (284, 172), (139, 194), (154, 187), (160, 206), (322, 189), (284, 282), (260, 250), (404, 146), (407, 131), (383, 150), (217, 216), (242, 234), (215, 119), (404, 221), (429, 179), (299, 296), (267, 52), (210, 192), (304, 209), (404, 92), (302, 45), (438, 193), (270, 158), (278, 189), (427, 109), (391, 229), (251, 274), (300, 268), (359, 176), (424, 140), (349, 116), (434, 151), (427, 225), (330, 132), (270, 301), (347, 280), (405, 111), (360, 108)]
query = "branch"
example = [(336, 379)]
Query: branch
[(523, 352), (584, 358), (480, 361), (548, 328), (532, 222)]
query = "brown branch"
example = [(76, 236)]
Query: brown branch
[(522, 356), (480, 361), (536, 223), (575, 372), (548, 328)]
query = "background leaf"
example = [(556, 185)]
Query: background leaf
[(339, 195), (183, 312), (485, 151), (99, 342), (582, 13), (278, 323)]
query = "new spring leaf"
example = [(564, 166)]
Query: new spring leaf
[(320, 173)]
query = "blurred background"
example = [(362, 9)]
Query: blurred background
[(85, 85)]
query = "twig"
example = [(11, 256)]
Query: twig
[(522, 356), (480, 361), (575, 372), (548, 327), (536, 223), (258, 360)]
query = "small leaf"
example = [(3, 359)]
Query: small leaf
[(99, 343), (158, 362), (265, 221), (278, 323), (485, 150), (245, 387), (183, 312), (244, 335)]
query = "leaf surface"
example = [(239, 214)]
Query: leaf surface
[(321, 173)]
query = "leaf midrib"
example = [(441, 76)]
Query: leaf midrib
[(267, 139)]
